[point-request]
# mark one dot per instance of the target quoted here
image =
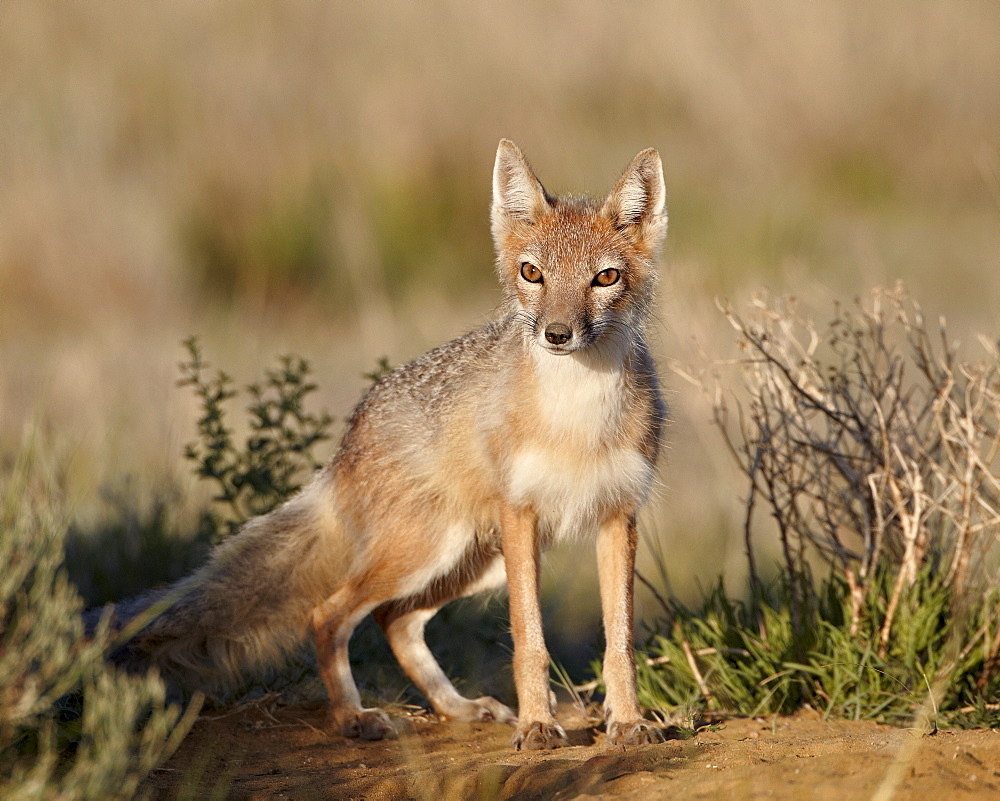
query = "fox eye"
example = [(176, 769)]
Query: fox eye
[(530, 273), (606, 277)]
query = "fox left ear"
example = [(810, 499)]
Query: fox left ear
[(637, 204)]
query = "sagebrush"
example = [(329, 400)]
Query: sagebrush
[(71, 727)]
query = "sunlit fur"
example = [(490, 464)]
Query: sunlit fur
[(558, 440)]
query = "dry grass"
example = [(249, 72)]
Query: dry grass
[(314, 178), (71, 726)]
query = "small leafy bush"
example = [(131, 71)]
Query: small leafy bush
[(277, 456)]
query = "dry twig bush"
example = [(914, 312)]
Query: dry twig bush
[(875, 451), (873, 446)]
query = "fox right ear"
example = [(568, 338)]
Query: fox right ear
[(518, 196)]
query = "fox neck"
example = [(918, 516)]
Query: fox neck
[(578, 462), (610, 354), (581, 395)]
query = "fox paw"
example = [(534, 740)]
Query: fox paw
[(492, 709), (367, 724), (481, 709), (537, 735), (635, 732)]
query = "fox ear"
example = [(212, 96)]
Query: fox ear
[(637, 204), (518, 196)]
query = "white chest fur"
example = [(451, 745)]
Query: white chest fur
[(579, 398), (572, 496), (577, 471)]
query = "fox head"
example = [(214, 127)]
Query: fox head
[(577, 272)]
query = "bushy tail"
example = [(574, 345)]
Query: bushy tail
[(246, 607)]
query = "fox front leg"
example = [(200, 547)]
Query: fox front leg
[(536, 727), (616, 544)]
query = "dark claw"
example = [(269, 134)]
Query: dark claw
[(537, 736), (637, 732)]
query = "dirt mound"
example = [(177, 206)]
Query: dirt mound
[(258, 752)]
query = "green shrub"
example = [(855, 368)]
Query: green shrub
[(277, 456), (747, 658)]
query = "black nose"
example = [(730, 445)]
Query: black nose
[(558, 333)]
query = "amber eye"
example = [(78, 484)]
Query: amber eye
[(530, 273), (606, 277)]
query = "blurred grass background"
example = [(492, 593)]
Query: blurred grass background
[(315, 178)]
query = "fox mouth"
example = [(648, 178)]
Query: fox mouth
[(574, 345), (558, 339)]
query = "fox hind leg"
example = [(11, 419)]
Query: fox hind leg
[(333, 623), (403, 623), (404, 629), (403, 619)]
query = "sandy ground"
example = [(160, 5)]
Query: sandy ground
[(269, 751)]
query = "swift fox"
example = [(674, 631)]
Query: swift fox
[(457, 470)]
